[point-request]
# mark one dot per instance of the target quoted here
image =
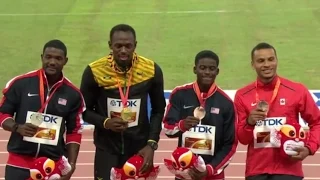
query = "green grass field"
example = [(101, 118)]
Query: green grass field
[(170, 32)]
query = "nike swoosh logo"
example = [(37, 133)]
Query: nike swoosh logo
[(253, 104), (187, 107), (29, 94)]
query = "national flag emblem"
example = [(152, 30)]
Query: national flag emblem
[(215, 110), (62, 101)]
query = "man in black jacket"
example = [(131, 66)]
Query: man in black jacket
[(116, 89), (202, 111), (46, 105)]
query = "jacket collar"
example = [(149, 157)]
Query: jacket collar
[(270, 85), (43, 74)]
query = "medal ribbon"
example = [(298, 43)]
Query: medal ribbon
[(274, 94), (42, 93), (202, 100), (125, 95)]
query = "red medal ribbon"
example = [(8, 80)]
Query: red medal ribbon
[(124, 97), (42, 93), (202, 100), (274, 94)]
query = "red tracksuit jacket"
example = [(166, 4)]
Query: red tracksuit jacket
[(292, 98)]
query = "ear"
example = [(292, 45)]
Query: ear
[(109, 43), (136, 43), (41, 56), (218, 70), (252, 65), (66, 60), (195, 69)]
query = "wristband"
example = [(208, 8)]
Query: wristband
[(150, 140), (105, 122)]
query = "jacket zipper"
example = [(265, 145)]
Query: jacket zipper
[(45, 110), (124, 92)]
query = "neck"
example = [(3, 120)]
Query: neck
[(266, 80), (204, 88), (52, 79), (123, 67)]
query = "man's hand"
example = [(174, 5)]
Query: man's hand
[(197, 175), (147, 153), (116, 124), (27, 129), (256, 115), (303, 152), (68, 176), (190, 122)]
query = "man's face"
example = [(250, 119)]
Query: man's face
[(123, 45), (265, 63), (53, 60), (206, 71)]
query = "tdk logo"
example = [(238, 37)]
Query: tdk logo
[(50, 119), (201, 129), (276, 121), (119, 103)]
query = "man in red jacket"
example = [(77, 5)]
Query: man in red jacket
[(286, 99)]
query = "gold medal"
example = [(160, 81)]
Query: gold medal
[(263, 105), (199, 112), (36, 119), (126, 114)]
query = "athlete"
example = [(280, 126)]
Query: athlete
[(203, 105), (285, 100), (42, 99), (116, 89)]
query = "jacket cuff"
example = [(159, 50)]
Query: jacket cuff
[(248, 126), (210, 170), (312, 151), (181, 126), (73, 138), (4, 117)]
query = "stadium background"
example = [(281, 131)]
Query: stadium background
[(170, 32)]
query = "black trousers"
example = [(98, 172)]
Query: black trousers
[(273, 177), (104, 161), (13, 173)]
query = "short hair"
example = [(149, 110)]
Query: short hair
[(262, 45), (206, 54), (55, 43), (124, 28)]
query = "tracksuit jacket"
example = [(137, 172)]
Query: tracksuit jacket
[(220, 113), (292, 98)]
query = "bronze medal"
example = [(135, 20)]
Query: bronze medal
[(263, 105), (199, 112)]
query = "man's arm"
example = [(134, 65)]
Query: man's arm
[(74, 125), (223, 157), (311, 114), (158, 105), (90, 91), (244, 130), (173, 125), (8, 105)]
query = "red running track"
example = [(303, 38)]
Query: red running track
[(85, 160)]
